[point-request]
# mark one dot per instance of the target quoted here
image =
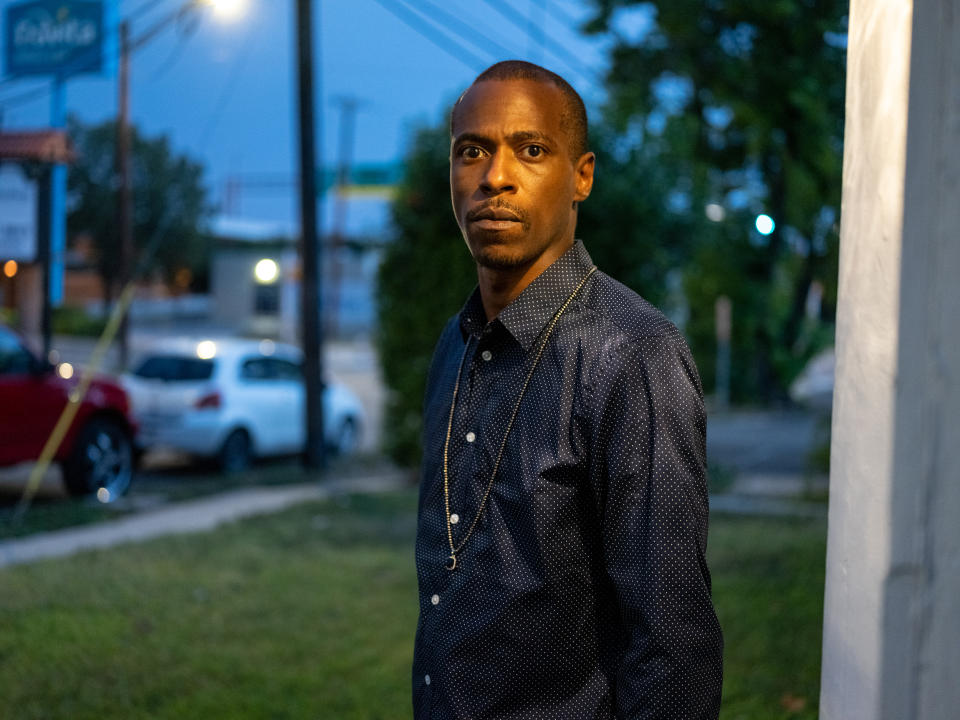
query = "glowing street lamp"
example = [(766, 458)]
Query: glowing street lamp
[(228, 9)]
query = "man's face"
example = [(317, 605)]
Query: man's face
[(512, 179)]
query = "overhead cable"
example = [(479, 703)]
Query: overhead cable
[(463, 29), (558, 51), (226, 91), (445, 43)]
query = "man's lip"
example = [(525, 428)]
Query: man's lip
[(498, 214), (487, 223)]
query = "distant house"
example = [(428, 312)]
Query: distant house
[(255, 271), (254, 277)]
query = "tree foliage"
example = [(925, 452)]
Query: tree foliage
[(743, 100), (168, 198), (425, 277), (737, 103)]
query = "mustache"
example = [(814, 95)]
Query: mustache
[(483, 210)]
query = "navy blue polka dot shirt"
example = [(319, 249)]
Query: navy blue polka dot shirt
[(582, 590)]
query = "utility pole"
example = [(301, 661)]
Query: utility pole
[(348, 115), (124, 195), (312, 335)]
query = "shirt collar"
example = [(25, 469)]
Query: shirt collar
[(532, 309)]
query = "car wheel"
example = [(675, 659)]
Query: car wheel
[(236, 454), (101, 462), (348, 437)]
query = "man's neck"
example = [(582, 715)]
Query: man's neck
[(500, 286)]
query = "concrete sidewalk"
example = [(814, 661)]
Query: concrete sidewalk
[(209, 512), (184, 517)]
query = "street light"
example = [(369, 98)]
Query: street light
[(228, 9)]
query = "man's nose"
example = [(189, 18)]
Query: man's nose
[(498, 177)]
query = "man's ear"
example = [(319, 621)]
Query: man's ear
[(583, 174)]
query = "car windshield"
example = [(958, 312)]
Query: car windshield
[(174, 368)]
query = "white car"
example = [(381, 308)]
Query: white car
[(233, 400)]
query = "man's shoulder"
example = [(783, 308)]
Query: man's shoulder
[(626, 317), (637, 334)]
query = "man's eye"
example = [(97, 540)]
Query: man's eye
[(471, 152), (534, 151)]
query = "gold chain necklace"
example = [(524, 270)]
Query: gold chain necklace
[(454, 549)]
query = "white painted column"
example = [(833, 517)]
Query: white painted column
[(891, 636)]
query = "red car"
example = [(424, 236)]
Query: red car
[(97, 453)]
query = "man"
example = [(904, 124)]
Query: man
[(563, 504)]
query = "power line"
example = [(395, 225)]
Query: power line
[(445, 43), (144, 9), (25, 97), (186, 32), (227, 90), (567, 17), (504, 9), (113, 56), (464, 30)]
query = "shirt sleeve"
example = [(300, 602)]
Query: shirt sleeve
[(652, 466)]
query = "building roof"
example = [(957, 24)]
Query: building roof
[(48, 146)]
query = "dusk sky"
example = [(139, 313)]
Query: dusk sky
[(225, 93)]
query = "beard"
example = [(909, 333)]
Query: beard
[(501, 258)]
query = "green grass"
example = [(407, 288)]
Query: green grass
[(768, 590), (310, 613)]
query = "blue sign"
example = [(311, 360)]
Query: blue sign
[(54, 37)]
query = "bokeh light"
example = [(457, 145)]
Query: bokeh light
[(715, 212), (206, 349), (765, 224), (228, 9), (266, 271)]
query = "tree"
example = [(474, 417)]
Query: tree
[(168, 198), (424, 278), (743, 99)]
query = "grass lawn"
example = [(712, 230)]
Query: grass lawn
[(310, 613)]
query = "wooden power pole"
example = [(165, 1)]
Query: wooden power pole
[(310, 311), (124, 194)]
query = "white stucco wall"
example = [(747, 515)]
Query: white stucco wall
[(891, 636)]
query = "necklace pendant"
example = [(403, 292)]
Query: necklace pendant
[(453, 563)]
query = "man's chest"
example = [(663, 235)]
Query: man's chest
[(507, 460)]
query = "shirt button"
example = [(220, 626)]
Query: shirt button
[(454, 518), (486, 355), (435, 599), (426, 679), (471, 436)]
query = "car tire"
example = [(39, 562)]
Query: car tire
[(236, 453), (101, 462), (348, 437)]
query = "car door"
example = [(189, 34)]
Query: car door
[(290, 405), (30, 401), (256, 402)]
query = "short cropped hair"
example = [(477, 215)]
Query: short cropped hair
[(573, 117)]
